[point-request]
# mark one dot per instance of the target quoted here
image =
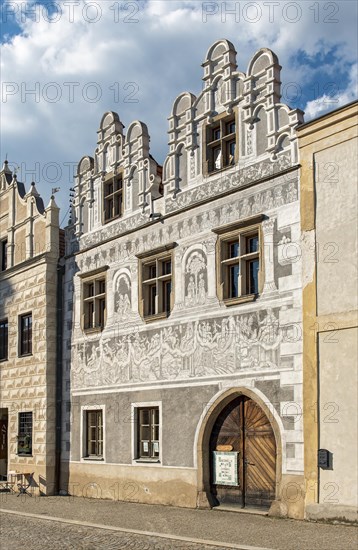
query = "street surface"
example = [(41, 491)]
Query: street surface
[(40, 523)]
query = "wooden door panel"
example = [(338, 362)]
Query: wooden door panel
[(228, 431), (244, 426), (260, 457)]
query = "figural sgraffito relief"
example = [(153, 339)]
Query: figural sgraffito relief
[(150, 239), (198, 348), (221, 184), (195, 279), (275, 197), (122, 296)]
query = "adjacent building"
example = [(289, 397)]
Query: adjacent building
[(182, 344), (328, 155), (29, 251)]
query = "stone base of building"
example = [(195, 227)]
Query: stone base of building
[(332, 513), (143, 484), (163, 485)]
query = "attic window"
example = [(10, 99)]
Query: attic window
[(221, 144), (112, 199)]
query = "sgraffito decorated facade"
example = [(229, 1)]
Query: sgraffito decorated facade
[(182, 302), (29, 326)]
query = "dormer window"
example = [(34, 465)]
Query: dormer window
[(112, 199), (221, 144)]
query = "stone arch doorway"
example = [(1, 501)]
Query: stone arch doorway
[(240, 459)]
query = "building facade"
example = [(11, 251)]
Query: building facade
[(29, 248), (328, 153), (182, 350)]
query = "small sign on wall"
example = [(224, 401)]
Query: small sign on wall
[(225, 468)]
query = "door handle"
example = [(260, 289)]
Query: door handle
[(249, 463)]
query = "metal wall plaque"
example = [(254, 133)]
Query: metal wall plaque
[(225, 468)]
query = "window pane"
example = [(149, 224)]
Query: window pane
[(26, 334), (3, 255), (118, 184), (217, 158), (156, 416), (230, 127), (152, 271), (94, 433), (25, 433), (167, 267), (148, 432), (166, 297), (152, 299), (234, 272), (216, 134), (234, 249), (4, 334), (145, 416), (118, 205), (253, 276), (252, 244)]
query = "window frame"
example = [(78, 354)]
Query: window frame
[(229, 235), (85, 411), (4, 339), (112, 180), (4, 244), (220, 142), (24, 436), (135, 416), (25, 350), (94, 278), (158, 279)]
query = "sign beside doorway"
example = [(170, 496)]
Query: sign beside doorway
[(225, 468)]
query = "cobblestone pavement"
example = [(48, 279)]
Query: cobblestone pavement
[(37, 534), (226, 527)]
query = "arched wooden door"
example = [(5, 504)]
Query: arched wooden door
[(243, 439)]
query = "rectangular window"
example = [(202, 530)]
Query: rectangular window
[(239, 253), (221, 143), (94, 431), (4, 339), (3, 254), (156, 285), (148, 432), (24, 440), (94, 303), (113, 199), (26, 334)]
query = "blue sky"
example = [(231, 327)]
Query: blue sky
[(135, 57)]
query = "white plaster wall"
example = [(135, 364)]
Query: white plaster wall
[(338, 359)]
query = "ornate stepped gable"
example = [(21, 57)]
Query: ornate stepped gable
[(266, 146)]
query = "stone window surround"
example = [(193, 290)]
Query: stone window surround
[(26, 410), (88, 277), (3, 254), (134, 435), (83, 433), (162, 252), (4, 335), (19, 343), (222, 119), (111, 176), (226, 233)]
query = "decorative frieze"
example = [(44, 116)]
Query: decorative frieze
[(192, 349), (223, 183)]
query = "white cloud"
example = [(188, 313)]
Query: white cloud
[(327, 102), (161, 54)]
